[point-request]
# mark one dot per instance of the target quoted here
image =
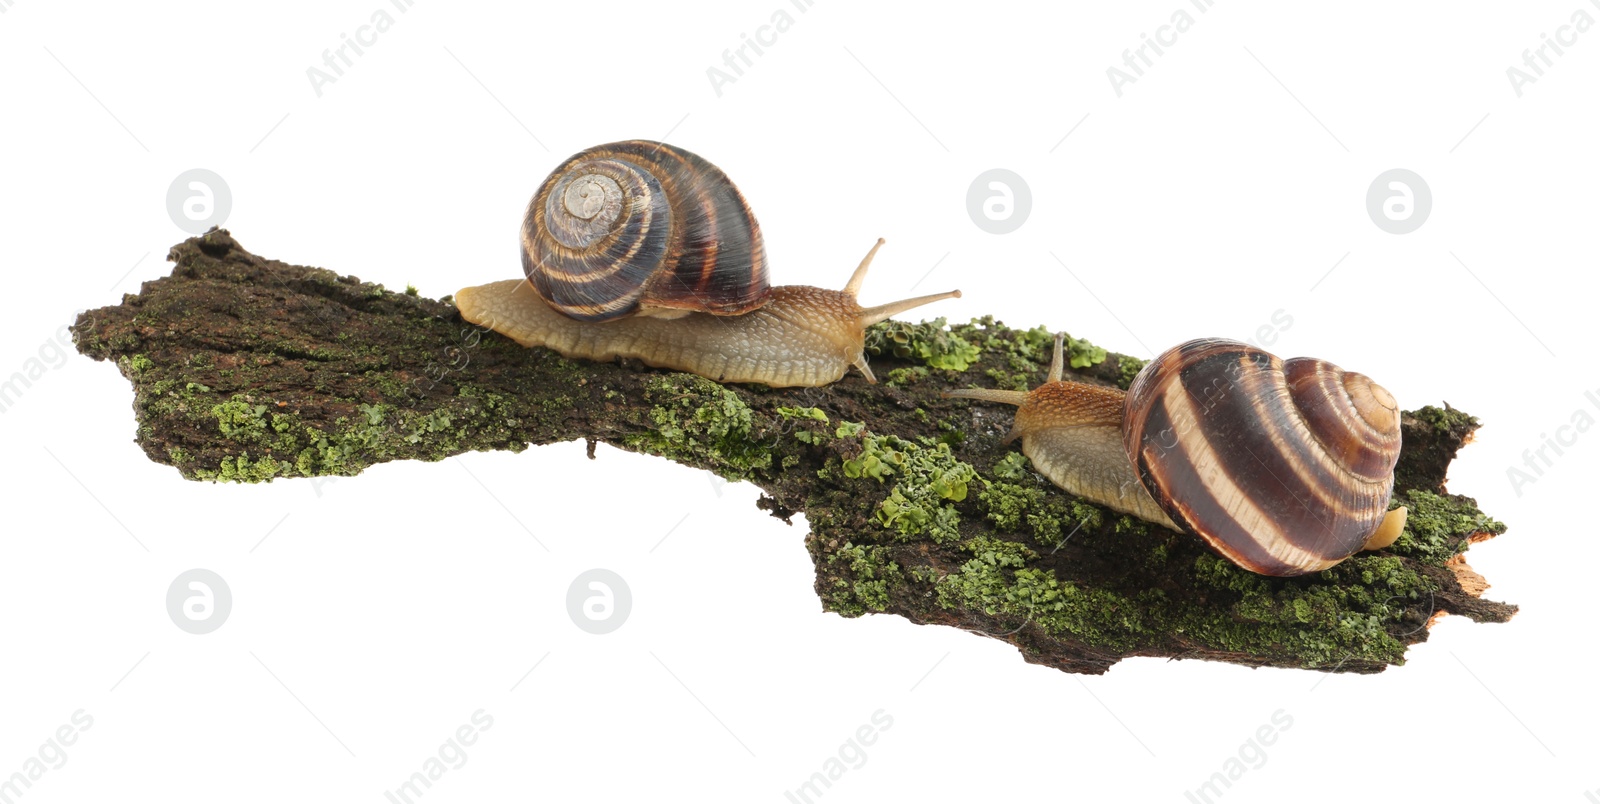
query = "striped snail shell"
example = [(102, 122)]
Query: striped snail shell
[(645, 251), (1284, 466), (641, 227)]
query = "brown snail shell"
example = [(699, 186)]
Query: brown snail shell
[(640, 227), (1283, 466), (645, 251)]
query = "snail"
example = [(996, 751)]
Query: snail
[(1283, 466), (644, 250)]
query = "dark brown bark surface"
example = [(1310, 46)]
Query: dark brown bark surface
[(247, 369)]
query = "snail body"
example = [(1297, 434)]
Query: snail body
[(1283, 466), (642, 250)]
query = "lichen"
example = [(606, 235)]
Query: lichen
[(1346, 614), (241, 421), (998, 582), (275, 442), (929, 341), (803, 413), (905, 375), (138, 364), (1049, 515), (1082, 354), (927, 480), (871, 574), (1129, 368), (1012, 467), (284, 400), (1446, 418), (697, 421), (1440, 527)]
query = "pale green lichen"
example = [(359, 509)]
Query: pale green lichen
[(697, 421), (866, 586), (803, 413), (1082, 354), (905, 375), (1013, 466), (1343, 617), (1046, 514), (929, 341), (927, 479), (275, 442)]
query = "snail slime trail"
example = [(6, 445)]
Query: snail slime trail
[(737, 60), (337, 59)]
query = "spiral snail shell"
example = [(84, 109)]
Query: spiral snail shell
[(1283, 466), (644, 250), (641, 227)]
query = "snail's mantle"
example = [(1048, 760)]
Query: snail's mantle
[(246, 369)]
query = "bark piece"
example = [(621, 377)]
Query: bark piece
[(248, 369)]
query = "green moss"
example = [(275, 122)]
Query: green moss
[(1046, 514), (699, 422), (240, 420), (288, 446), (1445, 419), (905, 375), (1338, 614), (1438, 528), (1343, 614), (139, 364), (1006, 504), (1130, 368), (927, 479), (1086, 514), (1011, 380), (998, 582), (411, 290), (866, 587)]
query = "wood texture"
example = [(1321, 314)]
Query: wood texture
[(250, 369)]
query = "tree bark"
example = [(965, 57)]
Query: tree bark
[(248, 369)]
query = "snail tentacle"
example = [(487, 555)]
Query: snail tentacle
[(1072, 434)]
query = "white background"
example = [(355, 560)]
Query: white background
[(382, 611)]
